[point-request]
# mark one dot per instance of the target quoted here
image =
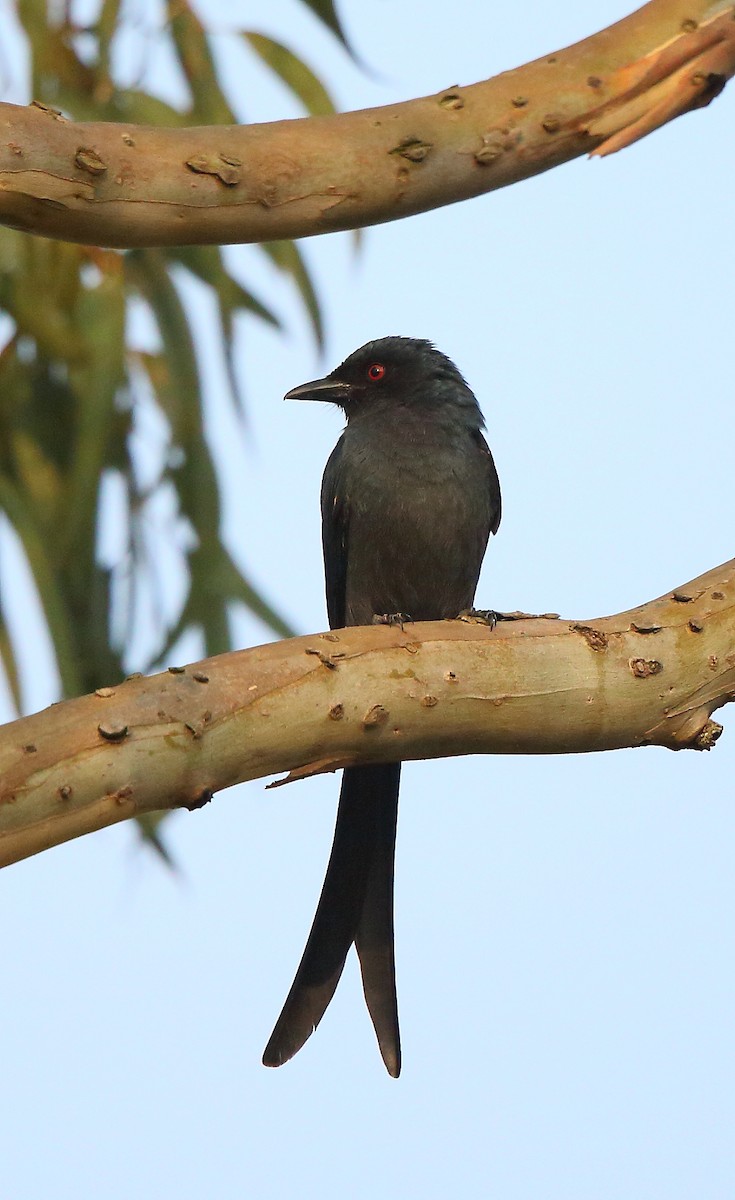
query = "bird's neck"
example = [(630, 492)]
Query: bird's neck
[(424, 422)]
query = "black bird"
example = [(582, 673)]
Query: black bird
[(410, 496)]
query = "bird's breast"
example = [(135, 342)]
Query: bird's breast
[(418, 523)]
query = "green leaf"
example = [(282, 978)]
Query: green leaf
[(191, 43), (149, 826), (294, 73), (179, 392), (207, 263), (239, 588), (70, 384), (140, 108), (100, 319), (287, 257), (54, 603), (327, 14), (9, 661), (106, 26), (214, 580), (216, 583)]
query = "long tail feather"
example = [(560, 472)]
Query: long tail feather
[(356, 904), (374, 934)]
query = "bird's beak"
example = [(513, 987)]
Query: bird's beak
[(329, 390)]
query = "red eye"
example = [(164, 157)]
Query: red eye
[(376, 372)]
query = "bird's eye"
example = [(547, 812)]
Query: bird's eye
[(376, 372)]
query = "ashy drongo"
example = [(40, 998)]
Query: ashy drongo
[(410, 496)]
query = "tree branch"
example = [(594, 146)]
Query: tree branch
[(650, 676), (119, 185)]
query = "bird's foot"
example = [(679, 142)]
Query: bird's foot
[(488, 616), (391, 619), (480, 616)]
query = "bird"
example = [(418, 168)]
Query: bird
[(409, 498)]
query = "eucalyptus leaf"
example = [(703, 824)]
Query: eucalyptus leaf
[(287, 257), (208, 103), (79, 397), (294, 73), (327, 13)]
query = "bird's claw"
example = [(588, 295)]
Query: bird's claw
[(480, 616), (490, 617), (391, 619)]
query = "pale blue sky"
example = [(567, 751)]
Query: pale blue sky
[(564, 925)]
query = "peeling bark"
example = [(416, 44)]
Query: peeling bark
[(650, 676), (124, 185)]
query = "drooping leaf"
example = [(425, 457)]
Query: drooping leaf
[(105, 27), (9, 661), (95, 381), (208, 103), (50, 592), (149, 828), (214, 580), (293, 72), (207, 264), (180, 394), (287, 257), (327, 13), (73, 389), (141, 108)]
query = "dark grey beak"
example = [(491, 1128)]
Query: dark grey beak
[(328, 390)]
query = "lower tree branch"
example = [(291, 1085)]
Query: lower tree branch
[(650, 676), (126, 185)]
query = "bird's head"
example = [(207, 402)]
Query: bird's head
[(394, 372)]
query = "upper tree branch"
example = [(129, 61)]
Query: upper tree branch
[(652, 675), (120, 185)]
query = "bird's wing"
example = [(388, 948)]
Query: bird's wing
[(493, 483), (335, 526)]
